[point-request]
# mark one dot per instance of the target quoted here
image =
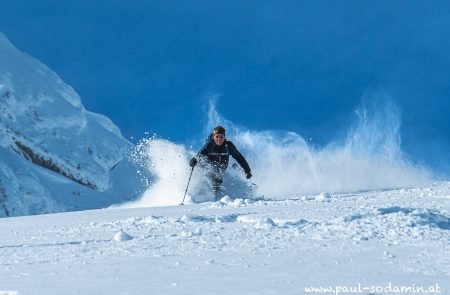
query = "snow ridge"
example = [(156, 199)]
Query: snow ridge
[(44, 127)]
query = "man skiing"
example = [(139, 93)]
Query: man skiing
[(215, 155)]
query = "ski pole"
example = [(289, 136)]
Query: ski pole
[(182, 203)]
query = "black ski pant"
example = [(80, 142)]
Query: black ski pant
[(215, 181)]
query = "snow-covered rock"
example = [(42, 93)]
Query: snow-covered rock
[(55, 155)]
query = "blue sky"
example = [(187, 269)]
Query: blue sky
[(299, 66)]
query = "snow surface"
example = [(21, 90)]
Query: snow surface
[(236, 246)]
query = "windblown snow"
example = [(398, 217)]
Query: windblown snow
[(283, 164)]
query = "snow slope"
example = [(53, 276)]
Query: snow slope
[(55, 155), (369, 241)]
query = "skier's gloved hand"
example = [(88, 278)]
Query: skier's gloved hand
[(193, 162), (248, 175)]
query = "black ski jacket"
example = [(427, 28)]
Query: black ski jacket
[(219, 156)]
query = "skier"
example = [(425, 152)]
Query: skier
[(215, 155)]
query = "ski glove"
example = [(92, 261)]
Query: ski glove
[(193, 162), (248, 175)]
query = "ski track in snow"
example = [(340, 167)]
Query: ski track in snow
[(235, 246)]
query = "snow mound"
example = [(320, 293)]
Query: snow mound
[(433, 219), (257, 222), (122, 236), (227, 201), (323, 197), (189, 234), (390, 223), (421, 217)]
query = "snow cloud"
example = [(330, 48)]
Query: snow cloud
[(284, 164)]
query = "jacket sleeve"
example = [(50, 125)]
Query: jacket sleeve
[(204, 150), (238, 157)]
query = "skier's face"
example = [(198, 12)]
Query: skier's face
[(219, 139)]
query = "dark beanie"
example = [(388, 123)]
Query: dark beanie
[(219, 130)]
